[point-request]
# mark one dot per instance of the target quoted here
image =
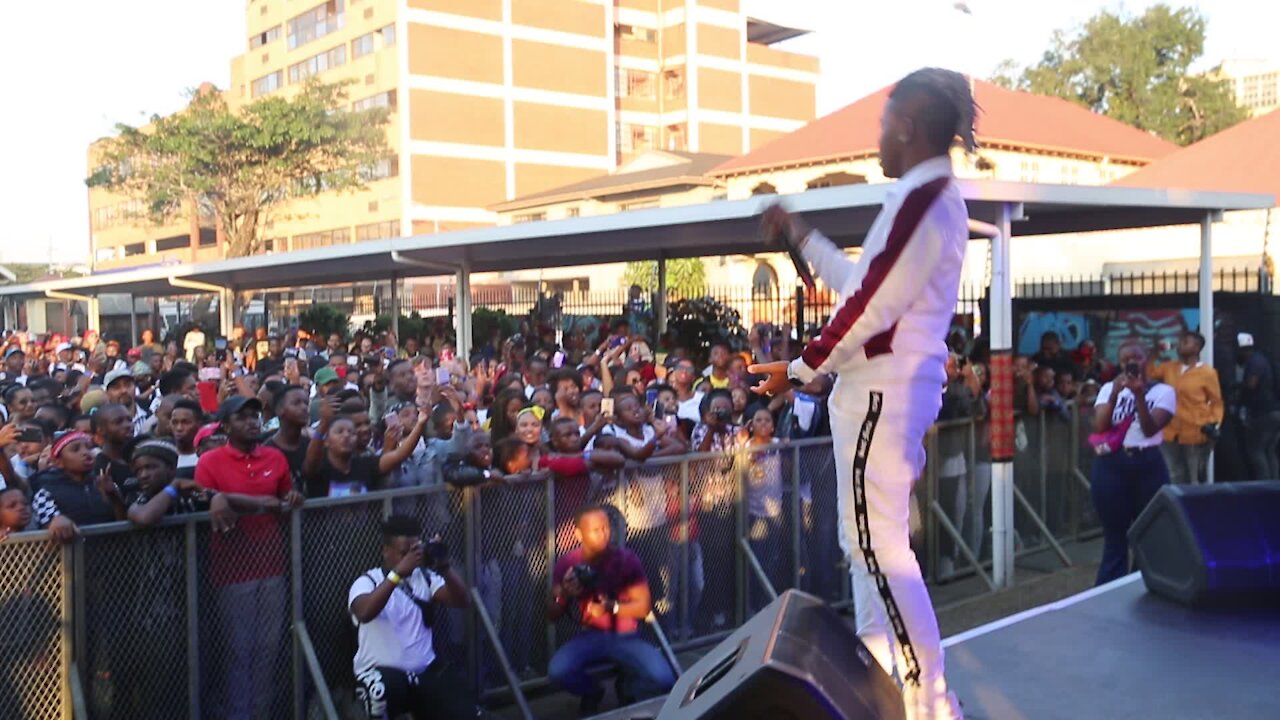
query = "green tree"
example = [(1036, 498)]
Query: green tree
[(686, 277), (244, 165), (323, 320), (1135, 69)]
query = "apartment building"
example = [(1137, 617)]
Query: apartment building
[(494, 100), (1255, 84)]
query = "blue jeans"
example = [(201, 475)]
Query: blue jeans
[(1123, 484), (647, 671)]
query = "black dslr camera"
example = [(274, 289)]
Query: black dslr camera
[(435, 555), (586, 575)]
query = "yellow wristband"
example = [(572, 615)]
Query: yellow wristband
[(394, 578)]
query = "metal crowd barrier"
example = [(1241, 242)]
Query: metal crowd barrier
[(1052, 505), (146, 623)]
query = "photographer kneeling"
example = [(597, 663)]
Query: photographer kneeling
[(393, 606), (612, 594)]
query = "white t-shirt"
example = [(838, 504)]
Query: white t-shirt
[(646, 509), (397, 637), (1159, 397), (186, 460), (691, 409)]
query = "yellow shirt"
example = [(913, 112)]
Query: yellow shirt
[(718, 384), (1199, 400)]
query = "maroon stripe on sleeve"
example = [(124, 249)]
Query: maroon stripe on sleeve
[(904, 226)]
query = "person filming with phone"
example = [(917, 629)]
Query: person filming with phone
[(393, 608), (608, 586), (1129, 418)]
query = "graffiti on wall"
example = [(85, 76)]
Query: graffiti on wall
[(1108, 329)]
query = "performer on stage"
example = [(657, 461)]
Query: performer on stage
[(886, 344)]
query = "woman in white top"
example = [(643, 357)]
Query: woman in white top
[(1128, 476)]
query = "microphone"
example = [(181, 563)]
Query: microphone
[(802, 267)]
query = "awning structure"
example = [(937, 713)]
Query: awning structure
[(719, 228), (998, 211)]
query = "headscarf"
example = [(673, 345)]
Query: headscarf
[(61, 443)]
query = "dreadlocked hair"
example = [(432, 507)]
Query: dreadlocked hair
[(950, 109)]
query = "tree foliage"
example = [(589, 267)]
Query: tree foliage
[(323, 320), (1135, 69), (242, 165), (686, 277), (698, 322)]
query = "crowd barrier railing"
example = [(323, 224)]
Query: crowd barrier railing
[(178, 620)]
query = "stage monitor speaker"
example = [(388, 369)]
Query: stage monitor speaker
[(795, 660), (1211, 544)]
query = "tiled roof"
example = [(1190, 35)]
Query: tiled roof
[(1008, 118)]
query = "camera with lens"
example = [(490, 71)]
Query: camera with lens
[(435, 555), (586, 575)]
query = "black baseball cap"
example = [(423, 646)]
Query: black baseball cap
[(235, 404)]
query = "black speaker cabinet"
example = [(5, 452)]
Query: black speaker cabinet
[(1211, 544), (795, 660)]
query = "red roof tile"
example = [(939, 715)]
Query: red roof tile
[(1243, 158), (1008, 118)]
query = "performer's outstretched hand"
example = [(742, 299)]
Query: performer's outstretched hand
[(775, 381)]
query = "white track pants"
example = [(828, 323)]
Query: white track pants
[(878, 432)]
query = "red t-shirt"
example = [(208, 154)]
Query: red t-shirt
[(617, 570), (254, 549)]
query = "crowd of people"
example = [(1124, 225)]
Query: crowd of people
[(254, 424)]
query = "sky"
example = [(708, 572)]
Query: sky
[(75, 68)]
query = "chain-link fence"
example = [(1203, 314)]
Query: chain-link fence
[(180, 621), (35, 642)]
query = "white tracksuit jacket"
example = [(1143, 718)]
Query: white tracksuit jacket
[(887, 344)]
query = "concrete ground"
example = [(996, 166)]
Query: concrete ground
[(961, 604)]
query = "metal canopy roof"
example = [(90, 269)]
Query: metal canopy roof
[(717, 228)]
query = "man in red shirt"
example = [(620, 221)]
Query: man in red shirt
[(247, 556), (609, 587)]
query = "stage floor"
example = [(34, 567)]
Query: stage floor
[(1111, 653), (1119, 652)]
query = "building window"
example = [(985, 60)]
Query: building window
[(264, 38), (316, 23), (317, 64), (530, 217), (387, 167), (673, 84), (270, 245), (676, 138), (369, 42), (639, 205), (572, 212), (640, 34), (1030, 171), (636, 138), (636, 83), (267, 84), (135, 249), (834, 180), (378, 231), (106, 254), (337, 236), (363, 45), (177, 242), (383, 99)]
